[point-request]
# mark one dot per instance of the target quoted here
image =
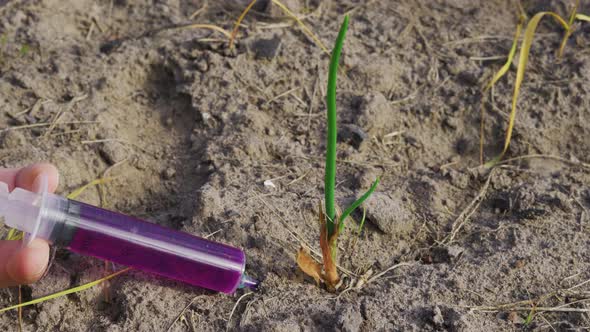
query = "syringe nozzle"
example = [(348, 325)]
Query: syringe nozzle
[(248, 282)]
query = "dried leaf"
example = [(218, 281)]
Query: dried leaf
[(522, 63), (328, 254), (330, 270), (308, 265), (510, 57)]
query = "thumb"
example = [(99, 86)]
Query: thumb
[(19, 266)]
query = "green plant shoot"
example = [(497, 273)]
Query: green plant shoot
[(330, 176)]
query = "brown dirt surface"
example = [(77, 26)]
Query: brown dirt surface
[(195, 129)]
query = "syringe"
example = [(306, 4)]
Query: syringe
[(92, 231)]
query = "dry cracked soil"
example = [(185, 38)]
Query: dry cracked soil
[(191, 130)]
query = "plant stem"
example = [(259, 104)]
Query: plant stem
[(330, 176)]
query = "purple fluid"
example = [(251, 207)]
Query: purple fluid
[(223, 276)]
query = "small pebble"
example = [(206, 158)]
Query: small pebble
[(266, 48), (169, 173), (352, 134), (113, 152), (437, 317), (12, 139), (514, 318), (202, 66)]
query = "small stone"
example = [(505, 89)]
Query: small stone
[(375, 113), (269, 184), (560, 200), (455, 64), (463, 146), (169, 173), (366, 178), (468, 78), (519, 264), (440, 255), (202, 65), (350, 319), (266, 48), (392, 215), (352, 134), (113, 152), (459, 179), (378, 73), (208, 119), (525, 198), (12, 139), (451, 123), (454, 251), (514, 318), (30, 118), (254, 147), (437, 317)]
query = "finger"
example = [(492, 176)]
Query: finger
[(8, 176), (23, 265), (28, 177)]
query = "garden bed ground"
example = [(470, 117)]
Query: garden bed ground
[(193, 130)]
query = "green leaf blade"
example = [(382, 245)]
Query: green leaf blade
[(330, 175), (357, 203)]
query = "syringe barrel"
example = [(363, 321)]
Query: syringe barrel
[(115, 237), (92, 231)]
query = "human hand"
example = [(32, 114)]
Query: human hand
[(18, 265)]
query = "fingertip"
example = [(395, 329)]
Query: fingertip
[(8, 176), (29, 264), (27, 177)]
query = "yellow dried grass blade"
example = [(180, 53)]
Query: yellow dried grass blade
[(11, 234), (208, 27), (16, 236), (522, 62), (234, 32), (66, 292), (500, 73), (303, 26), (582, 17), (568, 33), (82, 189), (289, 13), (574, 12), (20, 310)]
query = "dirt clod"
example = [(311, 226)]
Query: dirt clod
[(12, 139), (266, 48), (390, 214), (350, 319), (113, 152), (374, 113), (352, 134)]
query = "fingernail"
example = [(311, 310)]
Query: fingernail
[(38, 182)]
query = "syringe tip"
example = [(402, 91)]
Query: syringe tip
[(248, 282)]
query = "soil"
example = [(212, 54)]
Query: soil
[(191, 130)]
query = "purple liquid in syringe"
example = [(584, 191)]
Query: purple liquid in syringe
[(176, 255)]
